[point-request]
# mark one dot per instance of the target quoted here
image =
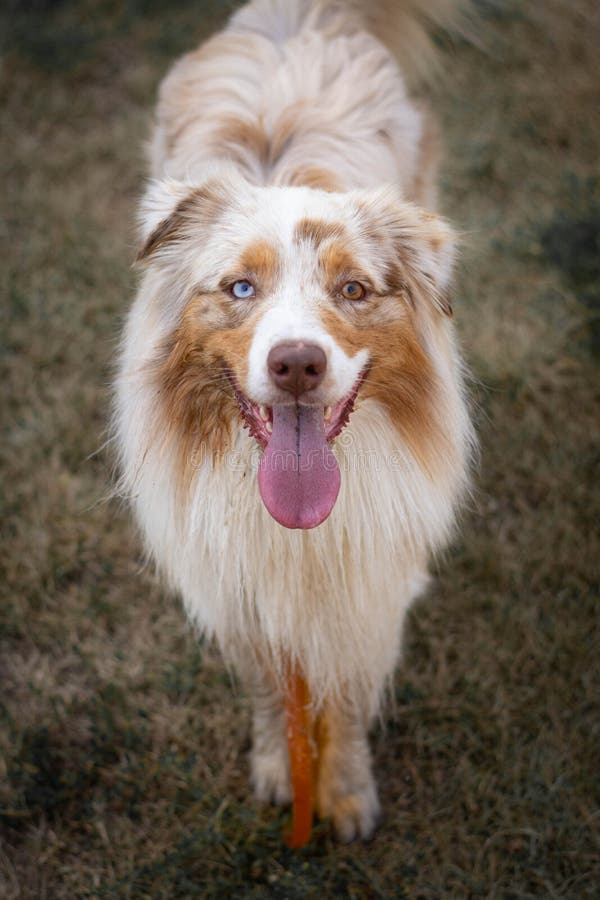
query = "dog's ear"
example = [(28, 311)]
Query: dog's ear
[(420, 249), (427, 246), (171, 208), (158, 216)]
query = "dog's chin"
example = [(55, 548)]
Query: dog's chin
[(298, 476)]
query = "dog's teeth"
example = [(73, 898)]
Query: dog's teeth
[(264, 413), (269, 427), (327, 413)]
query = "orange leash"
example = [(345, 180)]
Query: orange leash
[(298, 727)]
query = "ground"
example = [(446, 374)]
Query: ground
[(123, 741)]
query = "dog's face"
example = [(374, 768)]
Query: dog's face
[(283, 306)]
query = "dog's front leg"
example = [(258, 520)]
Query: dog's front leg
[(269, 761), (346, 791)]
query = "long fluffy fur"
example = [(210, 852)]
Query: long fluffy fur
[(292, 94)]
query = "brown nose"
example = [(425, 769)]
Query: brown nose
[(297, 367)]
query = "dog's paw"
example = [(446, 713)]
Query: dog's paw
[(353, 810), (271, 777)]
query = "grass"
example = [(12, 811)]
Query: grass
[(123, 742)]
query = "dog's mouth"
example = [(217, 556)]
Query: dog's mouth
[(259, 419), (298, 476)]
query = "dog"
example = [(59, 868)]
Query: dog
[(293, 431)]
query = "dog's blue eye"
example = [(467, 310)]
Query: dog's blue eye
[(243, 290)]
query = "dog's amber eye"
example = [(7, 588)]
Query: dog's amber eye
[(352, 290), (243, 290)]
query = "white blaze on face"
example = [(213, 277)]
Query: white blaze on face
[(292, 313), (299, 478), (293, 317)]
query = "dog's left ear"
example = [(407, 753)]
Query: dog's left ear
[(433, 247), (419, 248), (424, 247)]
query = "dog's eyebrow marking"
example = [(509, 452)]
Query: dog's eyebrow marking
[(316, 231), (262, 260), (336, 262)]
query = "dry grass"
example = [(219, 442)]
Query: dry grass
[(123, 770)]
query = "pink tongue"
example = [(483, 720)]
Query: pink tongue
[(298, 476)]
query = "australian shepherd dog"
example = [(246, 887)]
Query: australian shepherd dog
[(290, 413)]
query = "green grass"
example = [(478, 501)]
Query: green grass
[(123, 742)]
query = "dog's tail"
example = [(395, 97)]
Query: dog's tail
[(409, 27)]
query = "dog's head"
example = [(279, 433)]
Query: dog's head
[(281, 307)]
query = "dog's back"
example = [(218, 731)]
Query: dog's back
[(302, 93)]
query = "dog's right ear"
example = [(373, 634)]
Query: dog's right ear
[(158, 217), (171, 208)]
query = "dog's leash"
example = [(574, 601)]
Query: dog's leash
[(299, 733)]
